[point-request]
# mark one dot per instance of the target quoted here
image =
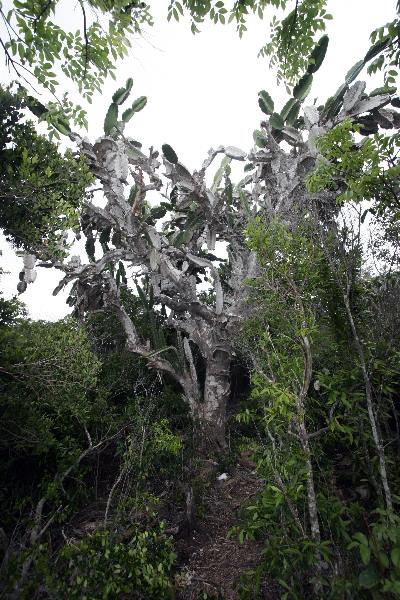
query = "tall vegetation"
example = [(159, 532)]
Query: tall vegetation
[(108, 416)]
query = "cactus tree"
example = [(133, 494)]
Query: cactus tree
[(195, 237)]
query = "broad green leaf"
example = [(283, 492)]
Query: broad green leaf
[(365, 554), (220, 173), (368, 578), (127, 115), (354, 71), (334, 103), (90, 248), (302, 89), (361, 538), (265, 102), (383, 90), (276, 121), (62, 125), (158, 212), (318, 54), (377, 48), (293, 114), (139, 103), (383, 560), (36, 107), (286, 109), (122, 94), (395, 556), (111, 118), (169, 153), (132, 194)]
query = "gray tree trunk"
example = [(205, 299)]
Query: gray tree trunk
[(217, 388)]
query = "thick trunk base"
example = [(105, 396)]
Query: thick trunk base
[(212, 411)]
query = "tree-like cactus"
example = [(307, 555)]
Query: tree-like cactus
[(179, 246)]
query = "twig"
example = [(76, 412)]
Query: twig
[(86, 38), (110, 495)]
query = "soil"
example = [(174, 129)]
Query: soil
[(209, 560)]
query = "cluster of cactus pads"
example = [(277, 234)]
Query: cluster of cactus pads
[(282, 123), (286, 124), (111, 123)]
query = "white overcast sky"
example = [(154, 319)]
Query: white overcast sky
[(202, 92)]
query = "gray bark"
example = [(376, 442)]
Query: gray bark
[(216, 394), (172, 254)]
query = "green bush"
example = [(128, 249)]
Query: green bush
[(380, 556), (105, 566)]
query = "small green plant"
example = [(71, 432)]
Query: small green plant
[(380, 555), (106, 566)]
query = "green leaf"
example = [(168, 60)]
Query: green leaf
[(62, 125), (122, 94), (354, 71), (265, 102), (169, 153), (127, 115), (36, 107), (395, 556), (293, 114), (334, 103), (121, 274), (286, 109), (318, 54), (365, 554), (361, 538), (368, 578), (220, 173), (302, 89), (277, 135), (276, 121), (111, 118), (377, 48), (132, 194), (383, 560), (105, 235), (139, 104), (244, 202), (158, 212), (142, 296), (383, 90), (186, 235)]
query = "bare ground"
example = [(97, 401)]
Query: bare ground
[(210, 561)]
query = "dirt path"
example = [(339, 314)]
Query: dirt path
[(210, 562)]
